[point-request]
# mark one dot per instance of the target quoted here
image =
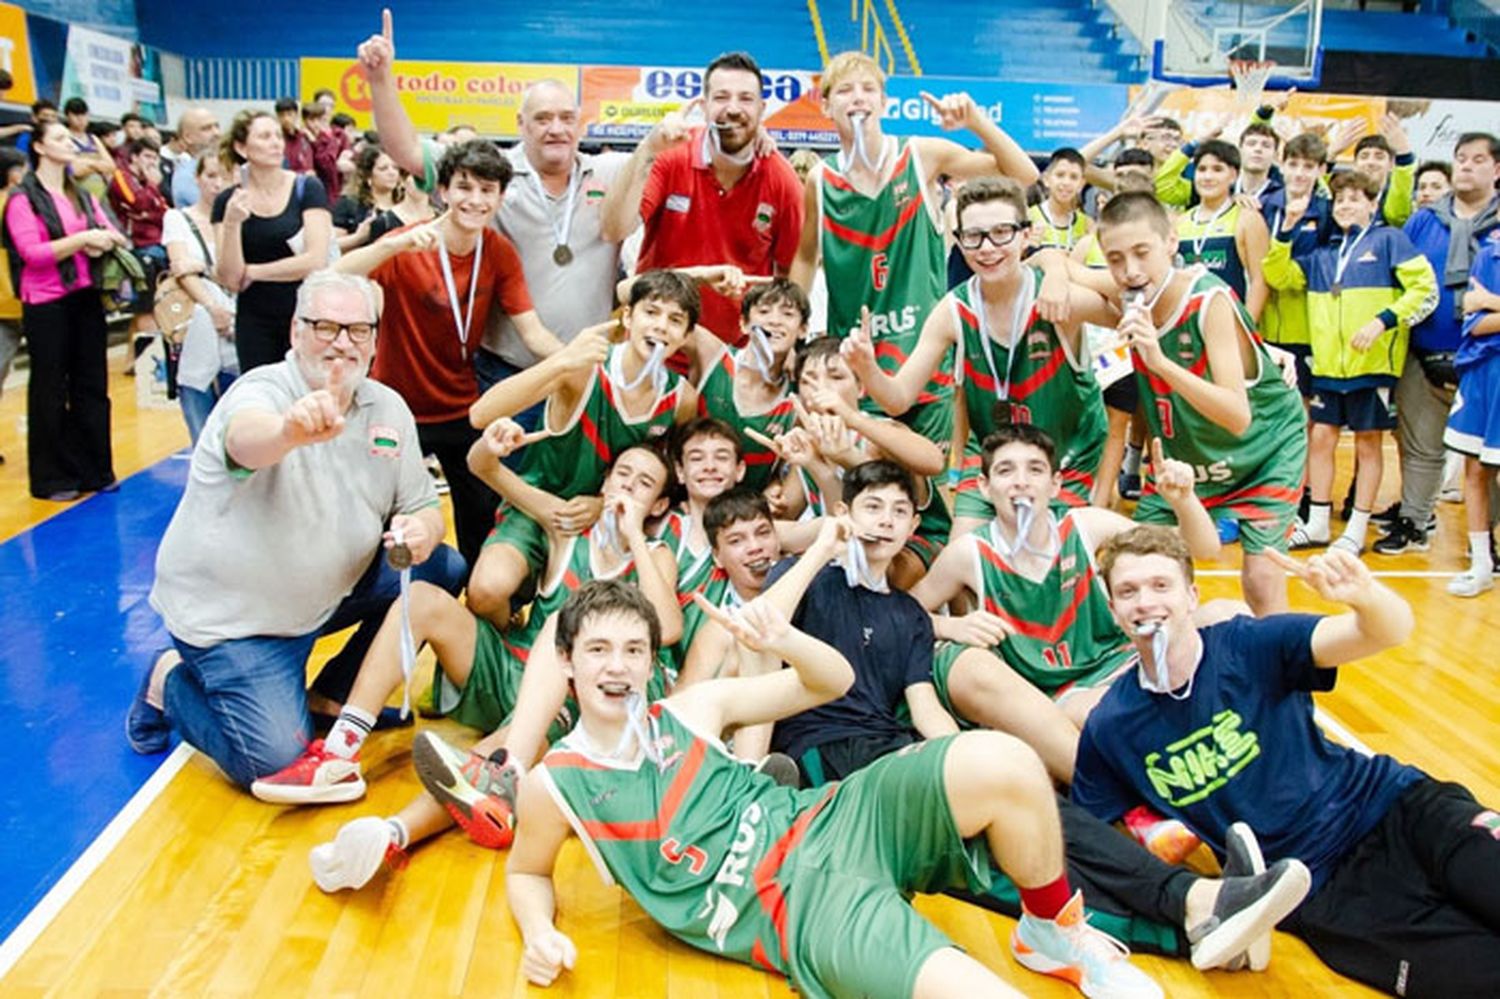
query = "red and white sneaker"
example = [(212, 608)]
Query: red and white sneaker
[(1070, 949), (479, 792), (317, 777), (1168, 839), (356, 854)]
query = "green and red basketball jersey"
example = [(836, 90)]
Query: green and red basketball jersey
[(886, 253), (1035, 380), (1253, 476), (694, 835), (1064, 630), (716, 399), (573, 461)]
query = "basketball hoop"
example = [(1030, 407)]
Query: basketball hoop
[(1250, 76)]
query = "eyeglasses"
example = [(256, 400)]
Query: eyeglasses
[(327, 331), (1000, 235)]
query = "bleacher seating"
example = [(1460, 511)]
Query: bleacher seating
[(1072, 41)]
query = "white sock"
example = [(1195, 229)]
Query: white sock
[(1317, 520), (1358, 526), (1132, 463), (399, 831), (1479, 552), (349, 732)]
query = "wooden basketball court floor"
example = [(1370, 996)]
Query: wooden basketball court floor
[(131, 876)]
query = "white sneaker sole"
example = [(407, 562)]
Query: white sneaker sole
[(1258, 954), (326, 794), (354, 856), (1244, 929)]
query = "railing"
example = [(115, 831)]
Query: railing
[(241, 79), (817, 26), (873, 41), (1481, 18)]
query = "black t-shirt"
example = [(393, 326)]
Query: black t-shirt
[(264, 240), (887, 638)]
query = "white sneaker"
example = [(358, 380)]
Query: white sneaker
[(356, 854), (1472, 583), (1070, 949), (1348, 544)]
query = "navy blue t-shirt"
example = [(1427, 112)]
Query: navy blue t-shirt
[(1242, 747), (887, 638)]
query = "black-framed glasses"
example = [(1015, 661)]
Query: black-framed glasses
[(1000, 235), (327, 331)]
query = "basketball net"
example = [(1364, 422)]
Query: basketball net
[(1250, 76)]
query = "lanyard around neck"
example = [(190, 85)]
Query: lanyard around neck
[(462, 320), (1020, 312)]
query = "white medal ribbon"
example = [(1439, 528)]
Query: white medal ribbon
[(608, 531), (1346, 254), (713, 147), (640, 726), (1020, 312), (465, 319), (759, 357), (560, 228), (862, 151), (408, 644), (1161, 683), (653, 368), (857, 568), (1208, 228)]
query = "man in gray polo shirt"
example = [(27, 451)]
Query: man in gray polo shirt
[(551, 212), (303, 472)]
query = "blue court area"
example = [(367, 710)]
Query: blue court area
[(78, 634)]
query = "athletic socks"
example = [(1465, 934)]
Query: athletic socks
[(1046, 901), (1479, 552), (399, 834), (1317, 520), (349, 732), (1357, 527)]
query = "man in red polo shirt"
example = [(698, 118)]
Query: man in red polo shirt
[(436, 308), (708, 195)]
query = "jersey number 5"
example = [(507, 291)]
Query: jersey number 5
[(675, 853)]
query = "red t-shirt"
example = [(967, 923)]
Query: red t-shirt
[(418, 352), (691, 220)]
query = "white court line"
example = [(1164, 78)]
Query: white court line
[(1348, 738), (42, 914), (1377, 573)]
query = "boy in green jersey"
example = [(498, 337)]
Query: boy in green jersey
[(735, 865), (601, 398), (707, 461), (873, 219), (1013, 365), (507, 684), (1204, 373), (1041, 648)]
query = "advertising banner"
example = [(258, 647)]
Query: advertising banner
[(624, 102), (15, 55), (437, 95), (1039, 116), (113, 75)]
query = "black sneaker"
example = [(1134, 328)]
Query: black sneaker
[(1403, 536), (1248, 907), (1388, 516), (781, 768)]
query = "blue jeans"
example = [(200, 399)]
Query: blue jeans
[(198, 403), (490, 369), (243, 703)]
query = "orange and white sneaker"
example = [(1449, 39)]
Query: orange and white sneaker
[(1168, 839), (356, 854), (317, 777), (1069, 948), (479, 792)]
